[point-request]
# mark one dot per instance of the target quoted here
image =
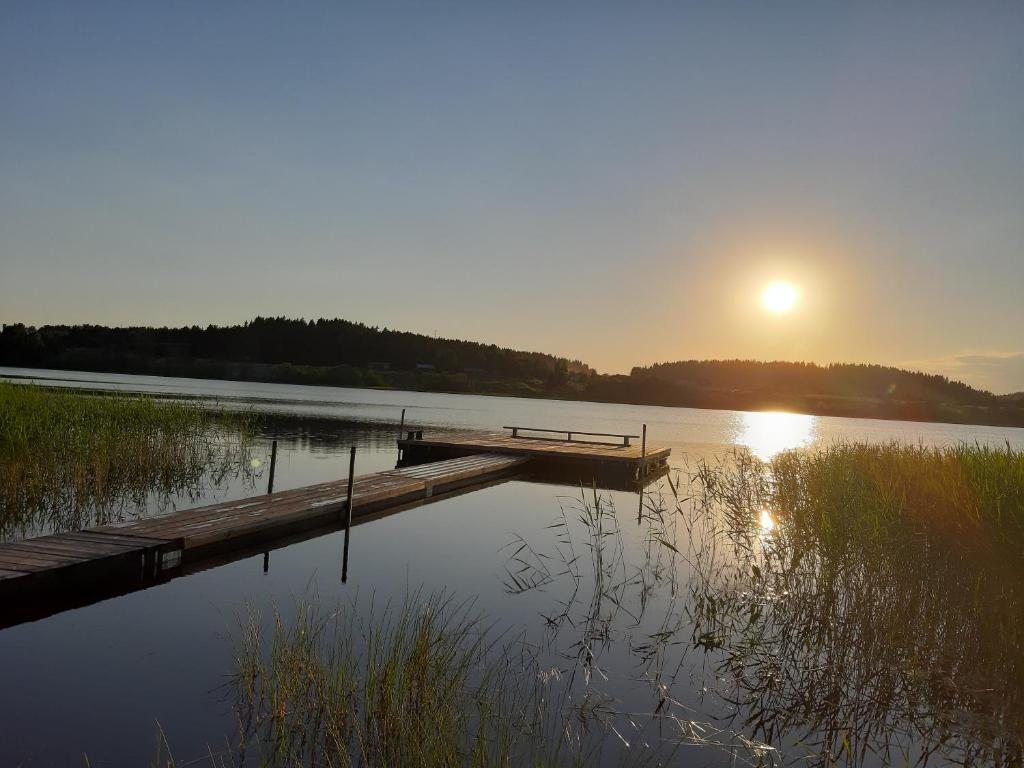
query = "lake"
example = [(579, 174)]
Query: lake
[(97, 680)]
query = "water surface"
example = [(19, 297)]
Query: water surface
[(96, 680)]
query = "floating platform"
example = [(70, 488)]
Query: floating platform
[(620, 464)]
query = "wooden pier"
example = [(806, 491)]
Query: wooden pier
[(616, 463), (126, 556), (47, 574)]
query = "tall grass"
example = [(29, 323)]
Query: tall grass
[(969, 494), (71, 459), (424, 683), (882, 616)]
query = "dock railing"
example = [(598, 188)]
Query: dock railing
[(569, 435)]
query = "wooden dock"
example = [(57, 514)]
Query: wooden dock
[(617, 463), (47, 574), (143, 551)]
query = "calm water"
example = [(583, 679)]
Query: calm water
[(96, 680)]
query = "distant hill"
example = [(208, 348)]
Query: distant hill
[(331, 352), (835, 380), (838, 389), (343, 353)]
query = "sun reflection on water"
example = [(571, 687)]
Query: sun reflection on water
[(767, 433)]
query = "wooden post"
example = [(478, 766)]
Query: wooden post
[(642, 473), (348, 513), (401, 428), (643, 452), (273, 466), (270, 490)]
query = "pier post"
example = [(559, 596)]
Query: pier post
[(270, 490), (643, 451), (348, 513), (401, 428), (273, 466)]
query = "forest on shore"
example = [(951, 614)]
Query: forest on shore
[(348, 354)]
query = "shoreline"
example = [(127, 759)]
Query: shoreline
[(551, 396)]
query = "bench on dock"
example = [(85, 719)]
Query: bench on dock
[(569, 435)]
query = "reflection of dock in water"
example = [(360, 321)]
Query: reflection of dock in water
[(48, 574)]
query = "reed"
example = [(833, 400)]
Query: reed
[(878, 617), (71, 459), (966, 494), (424, 683)]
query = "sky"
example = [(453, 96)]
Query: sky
[(614, 182)]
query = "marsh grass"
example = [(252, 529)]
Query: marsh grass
[(71, 459), (425, 683), (882, 617)]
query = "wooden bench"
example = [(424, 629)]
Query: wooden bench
[(569, 433)]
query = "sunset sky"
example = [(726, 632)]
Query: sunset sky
[(612, 182)]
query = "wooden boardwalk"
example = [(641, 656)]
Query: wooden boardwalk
[(144, 550)]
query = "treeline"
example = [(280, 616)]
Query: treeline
[(835, 380), (336, 352), (869, 391), (343, 353)]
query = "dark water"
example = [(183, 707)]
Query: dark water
[(96, 680)]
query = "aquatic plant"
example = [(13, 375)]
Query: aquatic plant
[(424, 683), (73, 459), (878, 615)]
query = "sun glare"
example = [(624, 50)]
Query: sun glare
[(779, 297), (768, 433)]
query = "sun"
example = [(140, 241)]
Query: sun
[(779, 297)]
